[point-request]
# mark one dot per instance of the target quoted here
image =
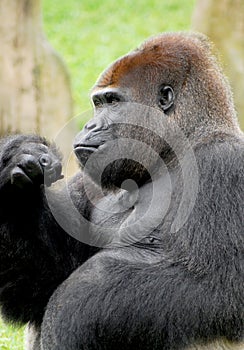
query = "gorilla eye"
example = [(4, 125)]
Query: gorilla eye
[(109, 97), (166, 98), (97, 101)]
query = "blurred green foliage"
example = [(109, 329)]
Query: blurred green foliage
[(11, 338), (89, 35)]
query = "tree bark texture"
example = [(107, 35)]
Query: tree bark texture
[(223, 22)]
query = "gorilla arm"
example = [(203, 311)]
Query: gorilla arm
[(158, 306)]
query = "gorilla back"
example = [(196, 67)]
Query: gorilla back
[(161, 185)]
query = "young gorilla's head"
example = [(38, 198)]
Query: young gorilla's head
[(146, 102)]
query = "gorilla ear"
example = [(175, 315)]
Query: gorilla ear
[(166, 97)]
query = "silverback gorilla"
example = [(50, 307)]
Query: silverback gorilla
[(158, 263)]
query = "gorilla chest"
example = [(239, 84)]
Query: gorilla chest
[(110, 215), (128, 217)]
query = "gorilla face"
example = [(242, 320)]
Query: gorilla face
[(140, 104), (123, 141)]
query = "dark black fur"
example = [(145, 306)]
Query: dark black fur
[(166, 290), (35, 255), (186, 289)]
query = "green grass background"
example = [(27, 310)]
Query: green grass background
[(89, 35)]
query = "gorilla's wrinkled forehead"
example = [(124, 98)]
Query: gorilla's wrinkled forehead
[(170, 51)]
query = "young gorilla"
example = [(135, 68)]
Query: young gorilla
[(160, 283)]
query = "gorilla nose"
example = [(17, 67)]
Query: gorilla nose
[(91, 133), (95, 125)]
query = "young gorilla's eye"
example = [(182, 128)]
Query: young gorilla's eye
[(166, 97)]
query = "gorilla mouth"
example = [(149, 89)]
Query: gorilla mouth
[(82, 146), (83, 151)]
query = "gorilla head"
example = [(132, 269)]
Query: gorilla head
[(146, 101)]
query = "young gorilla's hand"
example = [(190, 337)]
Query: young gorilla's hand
[(30, 161)]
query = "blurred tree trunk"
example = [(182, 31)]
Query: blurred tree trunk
[(223, 22), (35, 95)]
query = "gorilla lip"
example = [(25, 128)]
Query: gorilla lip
[(86, 147), (83, 151)]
